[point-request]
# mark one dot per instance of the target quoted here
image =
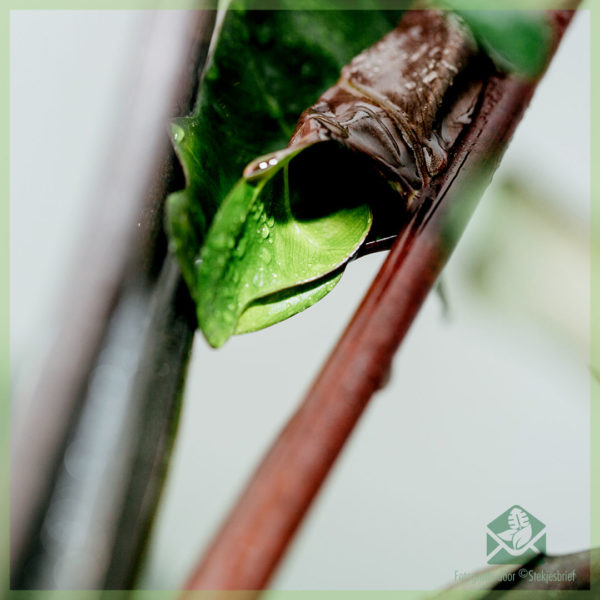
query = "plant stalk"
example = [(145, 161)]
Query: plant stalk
[(255, 535)]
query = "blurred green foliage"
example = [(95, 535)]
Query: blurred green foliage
[(517, 41)]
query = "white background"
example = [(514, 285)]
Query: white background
[(486, 408)]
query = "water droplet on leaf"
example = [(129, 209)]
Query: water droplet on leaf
[(178, 133), (265, 256)]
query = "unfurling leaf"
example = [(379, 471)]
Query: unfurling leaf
[(266, 68), (272, 235), (259, 249)]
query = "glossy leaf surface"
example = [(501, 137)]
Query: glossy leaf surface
[(267, 66), (269, 237)]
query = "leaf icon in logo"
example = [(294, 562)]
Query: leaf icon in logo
[(508, 534), (514, 535), (518, 518), (522, 537), (520, 529)]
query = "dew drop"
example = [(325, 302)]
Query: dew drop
[(178, 133), (265, 231), (265, 256)]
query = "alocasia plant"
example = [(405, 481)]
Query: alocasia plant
[(267, 66), (257, 249), (519, 532)]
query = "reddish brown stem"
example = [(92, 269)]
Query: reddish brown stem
[(254, 537)]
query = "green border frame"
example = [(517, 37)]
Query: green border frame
[(5, 321)]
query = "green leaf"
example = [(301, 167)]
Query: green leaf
[(279, 306), (272, 235), (516, 40), (266, 68)]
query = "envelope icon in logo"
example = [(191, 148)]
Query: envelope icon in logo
[(515, 537)]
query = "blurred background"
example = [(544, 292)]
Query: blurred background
[(488, 404)]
